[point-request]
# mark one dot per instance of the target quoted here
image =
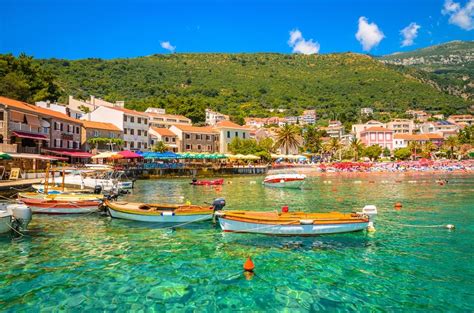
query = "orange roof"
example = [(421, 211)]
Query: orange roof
[(163, 131), (229, 124), (461, 116), (195, 129), (38, 110), (128, 111), (417, 137), (377, 129), (100, 125)]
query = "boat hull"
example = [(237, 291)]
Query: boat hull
[(230, 225), (294, 184), (158, 218), (61, 207)]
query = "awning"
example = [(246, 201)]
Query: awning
[(35, 156), (71, 153), (17, 116), (32, 120), (30, 136)]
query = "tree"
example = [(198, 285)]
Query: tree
[(312, 140), (451, 143), (386, 152), (334, 146), (287, 137), (466, 135), (84, 109), (266, 144), (357, 147), (373, 152), (159, 147), (427, 148), (402, 153), (414, 147)]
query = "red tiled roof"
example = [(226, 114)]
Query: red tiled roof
[(38, 110), (195, 129), (129, 112), (377, 129), (100, 125), (417, 137), (163, 131), (229, 124)]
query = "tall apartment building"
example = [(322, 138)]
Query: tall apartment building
[(213, 117), (196, 139), (159, 119)]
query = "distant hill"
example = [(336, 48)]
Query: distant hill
[(336, 85), (448, 67)]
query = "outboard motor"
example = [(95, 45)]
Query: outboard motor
[(22, 215), (98, 189)]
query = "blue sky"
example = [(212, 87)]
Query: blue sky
[(108, 29)]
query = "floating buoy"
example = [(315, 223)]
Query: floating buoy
[(284, 209), (398, 205), (248, 265), (450, 226)]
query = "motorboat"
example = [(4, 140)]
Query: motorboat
[(163, 213), (14, 217), (296, 223), (284, 180), (107, 179), (207, 182), (54, 190)]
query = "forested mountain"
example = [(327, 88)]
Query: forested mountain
[(449, 66)]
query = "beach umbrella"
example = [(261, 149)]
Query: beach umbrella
[(127, 154), (104, 155), (5, 156)]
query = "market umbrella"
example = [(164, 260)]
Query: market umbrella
[(5, 156), (127, 154), (104, 155)]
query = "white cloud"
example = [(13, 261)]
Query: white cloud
[(409, 34), (167, 45), (458, 15), (369, 35), (300, 45)]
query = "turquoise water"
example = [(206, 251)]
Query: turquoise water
[(94, 263)]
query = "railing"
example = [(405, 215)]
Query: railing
[(23, 127), (33, 150), (5, 147)]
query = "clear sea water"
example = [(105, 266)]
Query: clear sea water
[(92, 263)]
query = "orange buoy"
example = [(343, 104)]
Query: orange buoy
[(398, 205), (248, 265)]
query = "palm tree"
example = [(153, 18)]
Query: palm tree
[(160, 147), (335, 145), (428, 147), (414, 146), (312, 140), (288, 137), (451, 143), (356, 146)]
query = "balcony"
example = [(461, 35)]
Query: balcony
[(32, 150), (16, 126), (5, 147)]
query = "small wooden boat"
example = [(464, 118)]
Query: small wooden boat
[(207, 182), (160, 213), (284, 180), (296, 223), (61, 196), (61, 206), (53, 190)]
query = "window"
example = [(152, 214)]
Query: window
[(111, 135), (124, 131), (145, 146), (124, 118), (173, 139), (228, 134), (56, 126), (139, 145), (132, 131), (146, 121), (199, 147), (380, 136), (198, 137), (139, 120), (77, 129), (188, 147), (96, 133), (388, 136), (372, 136), (145, 133), (187, 136), (236, 134), (167, 139), (61, 126), (132, 144), (243, 135), (139, 132), (209, 148), (132, 119), (68, 128), (208, 137), (75, 145)]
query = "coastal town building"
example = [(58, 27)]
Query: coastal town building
[(465, 119), (196, 139), (104, 133), (418, 115), (134, 125), (62, 108), (357, 129), (366, 111), (25, 128), (228, 131), (401, 126), (377, 135), (308, 117), (255, 122), (404, 140), (159, 119), (91, 104), (444, 128), (164, 135), (213, 117), (335, 129)]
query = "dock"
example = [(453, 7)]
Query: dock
[(8, 185)]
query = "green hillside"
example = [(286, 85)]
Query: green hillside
[(336, 85), (449, 66)]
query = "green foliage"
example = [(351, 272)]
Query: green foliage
[(101, 140), (386, 152), (335, 85), (287, 137), (373, 152), (357, 148), (466, 135), (312, 140), (23, 79), (262, 149), (159, 147), (402, 153)]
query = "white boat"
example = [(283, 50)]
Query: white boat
[(14, 217), (107, 180), (296, 223), (284, 180)]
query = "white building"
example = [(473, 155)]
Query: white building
[(134, 124), (163, 120), (335, 129), (366, 111), (228, 131), (357, 129), (401, 126), (92, 104), (213, 117), (444, 128), (308, 117), (62, 108)]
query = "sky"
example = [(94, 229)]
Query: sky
[(106, 29)]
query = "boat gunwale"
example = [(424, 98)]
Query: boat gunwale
[(173, 207)]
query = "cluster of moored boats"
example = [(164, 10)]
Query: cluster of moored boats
[(59, 200)]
